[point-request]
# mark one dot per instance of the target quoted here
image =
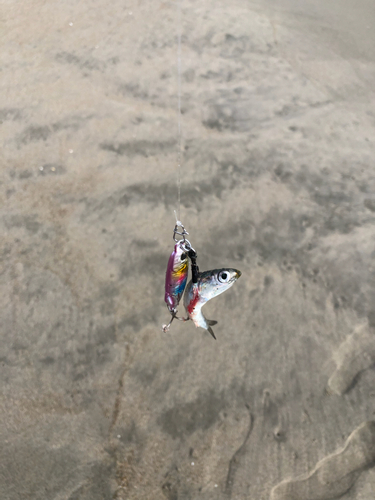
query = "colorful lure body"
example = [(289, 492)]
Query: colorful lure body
[(210, 284), (176, 276)]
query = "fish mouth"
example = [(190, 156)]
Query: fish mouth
[(237, 274)]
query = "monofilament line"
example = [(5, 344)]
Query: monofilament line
[(179, 141)]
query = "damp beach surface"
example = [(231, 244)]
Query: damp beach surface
[(277, 180)]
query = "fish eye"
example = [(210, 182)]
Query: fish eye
[(183, 256), (223, 277)]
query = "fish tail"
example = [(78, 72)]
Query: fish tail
[(211, 332)]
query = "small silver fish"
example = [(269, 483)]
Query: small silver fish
[(210, 284)]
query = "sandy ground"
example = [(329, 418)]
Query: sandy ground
[(278, 180)]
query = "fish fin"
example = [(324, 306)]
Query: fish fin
[(211, 322), (211, 332)]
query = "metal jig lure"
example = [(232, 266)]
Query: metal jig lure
[(177, 271)]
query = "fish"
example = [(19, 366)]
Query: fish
[(210, 284), (176, 277)]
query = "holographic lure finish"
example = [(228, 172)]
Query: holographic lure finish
[(210, 284), (176, 276)]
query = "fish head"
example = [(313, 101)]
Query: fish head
[(213, 283)]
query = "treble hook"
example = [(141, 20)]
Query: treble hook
[(165, 328)]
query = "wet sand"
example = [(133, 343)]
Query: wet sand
[(278, 121)]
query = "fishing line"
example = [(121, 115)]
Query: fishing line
[(179, 140)]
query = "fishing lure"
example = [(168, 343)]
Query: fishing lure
[(177, 272), (176, 276), (209, 284)]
